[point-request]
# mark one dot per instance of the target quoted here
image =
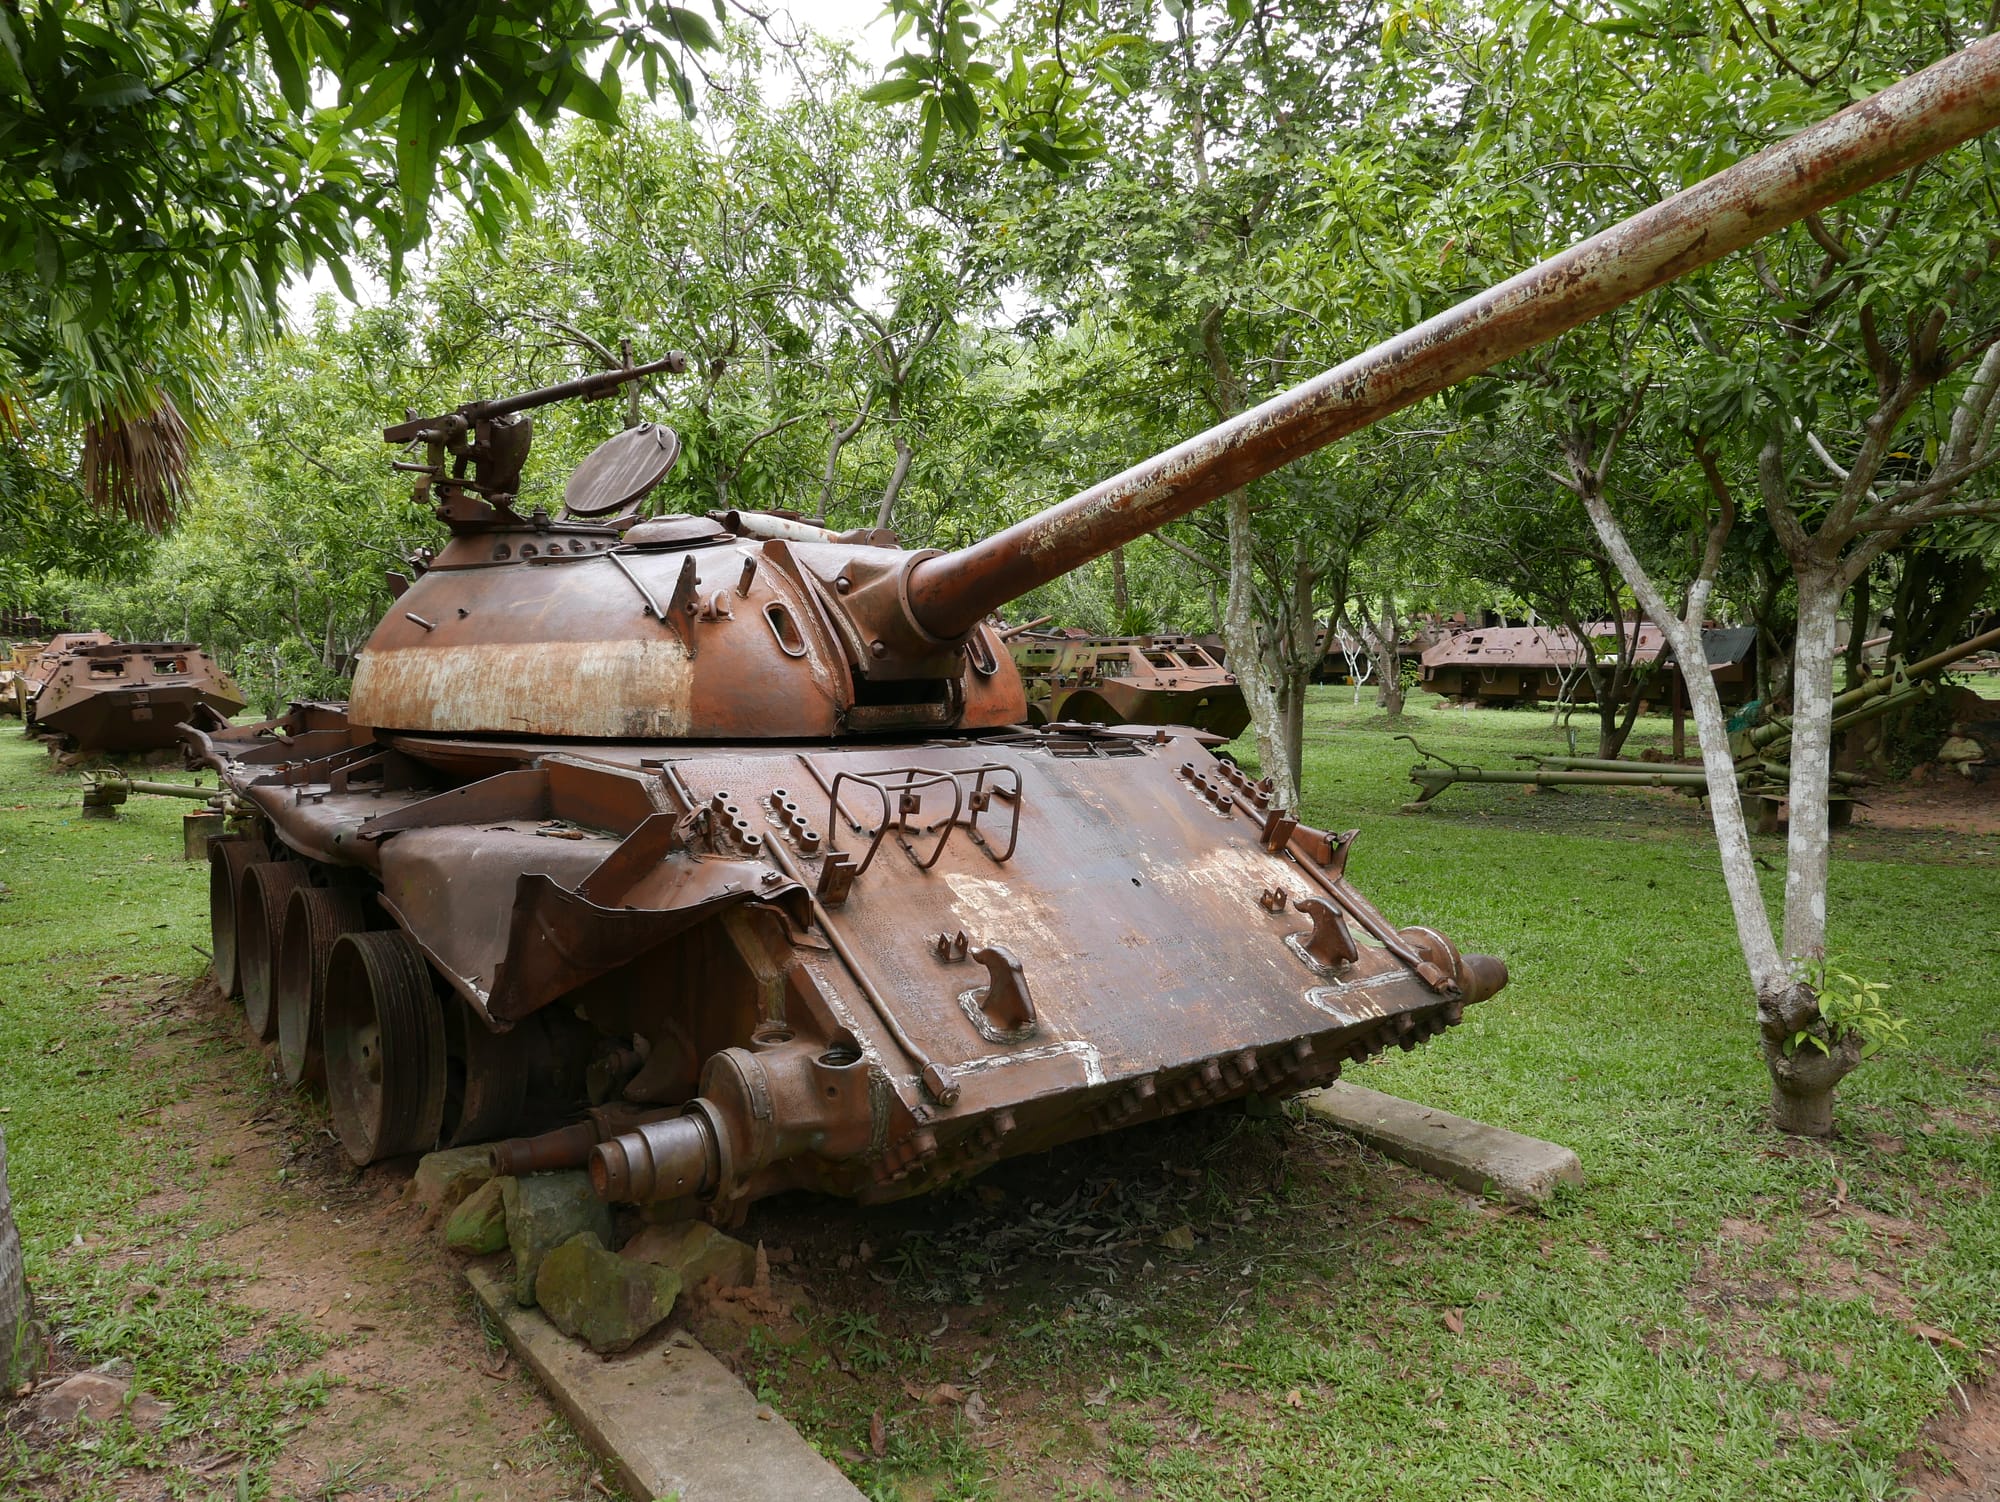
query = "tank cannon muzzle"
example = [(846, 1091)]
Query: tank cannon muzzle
[(660, 1160), (1480, 976), (1947, 103)]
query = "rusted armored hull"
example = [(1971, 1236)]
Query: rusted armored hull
[(1129, 680), (131, 696), (1054, 933)]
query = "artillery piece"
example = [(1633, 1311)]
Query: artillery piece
[(721, 840)]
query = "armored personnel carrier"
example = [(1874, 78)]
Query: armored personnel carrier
[(1128, 680), (130, 696), (724, 836)]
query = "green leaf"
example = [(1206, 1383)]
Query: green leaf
[(113, 91), (285, 61), (933, 128), (691, 29), (13, 71), (587, 99), (895, 90)]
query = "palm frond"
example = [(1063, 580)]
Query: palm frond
[(138, 465)]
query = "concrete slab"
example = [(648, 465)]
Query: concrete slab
[(669, 1419), (1470, 1154)]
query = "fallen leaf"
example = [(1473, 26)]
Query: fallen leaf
[(1936, 1336), (878, 1435), (945, 1395), (1454, 1321), (1296, 1398), (975, 1409), (1179, 1239), (1102, 1396), (981, 1364), (913, 1392)]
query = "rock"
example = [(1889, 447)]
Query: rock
[(544, 1210), (607, 1301), (1960, 748), (99, 1395), (443, 1180), (479, 1224), (697, 1251)]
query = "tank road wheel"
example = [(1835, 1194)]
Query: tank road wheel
[(385, 1046), (226, 862), (260, 916), (314, 919)]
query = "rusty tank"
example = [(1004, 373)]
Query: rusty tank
[(129, 696), (714, 852), (1128, 680)]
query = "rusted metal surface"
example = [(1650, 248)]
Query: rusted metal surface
[(129, 696), (1532, 664), (1949, 102), (730, 829), (1128, 680)]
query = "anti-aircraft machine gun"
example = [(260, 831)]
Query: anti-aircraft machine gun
[(718, 843)]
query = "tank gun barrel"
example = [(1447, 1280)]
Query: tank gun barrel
[(1947, 103), (590, 388)]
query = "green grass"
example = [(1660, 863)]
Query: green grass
[(98, 923), (1719, 1313)]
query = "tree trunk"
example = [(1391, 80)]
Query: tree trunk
[(1382, 636), (1802, 1077), (20, 1340), (1121, 600), (1808, 847), (1246, 654)]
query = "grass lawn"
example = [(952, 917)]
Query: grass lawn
[(1228, 1305)]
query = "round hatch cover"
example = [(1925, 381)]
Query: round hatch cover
[(622, 469)]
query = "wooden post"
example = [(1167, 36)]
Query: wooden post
[(20, 1343)]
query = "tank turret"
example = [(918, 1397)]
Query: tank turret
[(717, 845)]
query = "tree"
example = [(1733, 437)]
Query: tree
[(1839, 379), (165, 168)]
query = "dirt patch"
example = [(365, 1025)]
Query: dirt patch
[(1961, 1451), (418, 1402), (1944, 801)]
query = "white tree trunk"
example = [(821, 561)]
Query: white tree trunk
[(1808, 849)]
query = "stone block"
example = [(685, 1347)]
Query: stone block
[(607, 1301), (543, 1210), (697, 1251), (479, 1224), (1470, 1154), (444, 1179)]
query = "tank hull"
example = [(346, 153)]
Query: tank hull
[(1028, 937)]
